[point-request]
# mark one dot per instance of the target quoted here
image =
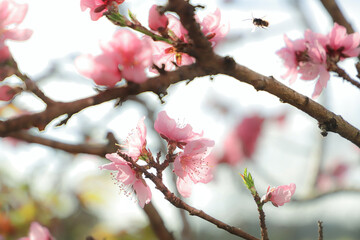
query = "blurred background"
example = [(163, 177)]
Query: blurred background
[(70, 195)]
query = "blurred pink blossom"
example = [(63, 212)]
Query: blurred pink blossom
[(248, 131), (38, 232), (172, 132), (192, 165), (279, 195), (345, 45), (156, 20), (125, 55), (233, 150), (6, 93), (102, 69), (97, 7), (128, 178), (212, 27)]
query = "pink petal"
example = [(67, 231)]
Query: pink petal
[(184, 186), (143, 192)]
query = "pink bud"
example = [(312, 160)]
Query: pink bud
[(279, 195), (156, 20), (6, 93)]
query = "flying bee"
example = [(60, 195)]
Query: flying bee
[(258, 22)]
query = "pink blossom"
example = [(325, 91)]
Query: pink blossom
[(248, 131), (317, 66), (132, 54), (291, 54), (127, 177), (97, 7), (6, 93), (343, 44), (212, 28), (172, 132), (124, 56), (279, 195), (11, 15), (233, 150), (103, 69), (192, 165), (164, 53), (135, 145), (156, 20), (38, 232)]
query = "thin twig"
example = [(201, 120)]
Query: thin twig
[(264, 233), (320, 230), (177, 202), (341, 72)]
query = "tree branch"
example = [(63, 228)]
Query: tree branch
[(336, 14), (99, 150), (177, 202), (157, 223)]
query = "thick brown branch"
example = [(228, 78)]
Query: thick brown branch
[(157, 85), (99, 150), (327, 120), (336, 14)]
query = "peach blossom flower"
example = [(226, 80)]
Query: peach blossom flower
[(279, 195), (125, 55), (135, 145), (172, 132), (212, 28), (97, 7), (38, 232), (192, 166), (345, 45), (291, 54), (156, 20), (128, 178), (164, 53)]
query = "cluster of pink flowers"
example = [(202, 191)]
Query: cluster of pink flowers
[(280, 195), (124, 56), (192, 162), (313, 56), (165, 53), (38, 232), (127, 177)]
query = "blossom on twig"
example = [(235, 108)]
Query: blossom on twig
[(172, 132), (279, 195), (192, 165), (316, 55), (125, 55)]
